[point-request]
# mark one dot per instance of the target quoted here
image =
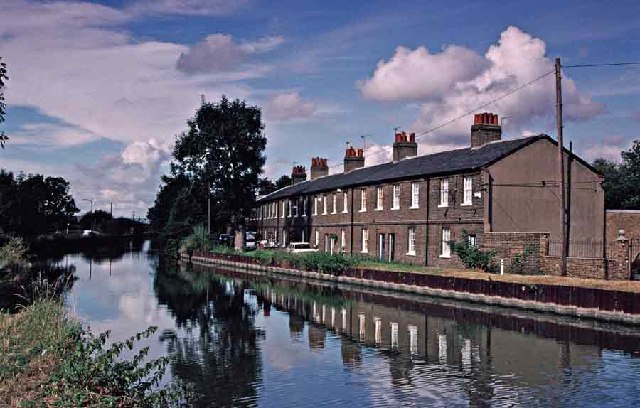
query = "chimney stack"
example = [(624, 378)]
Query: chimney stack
[(353, 159), (319, 168), (485, 129), (404, 146), (298, 175)]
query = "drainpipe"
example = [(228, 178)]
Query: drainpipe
[(352, 211), (426, 244)]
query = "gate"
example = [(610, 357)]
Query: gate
[(634, 258)]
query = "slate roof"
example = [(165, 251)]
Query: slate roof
[(452, 161)]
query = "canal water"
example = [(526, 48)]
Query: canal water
[(245, 338)]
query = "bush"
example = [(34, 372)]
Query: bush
[(197, 241), (472, 256), (525, 263), (13, 252)]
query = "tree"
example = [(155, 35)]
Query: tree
[(95, 220), (3, 78), (222, 154), (283, 181), (621, 180), (33, 204)]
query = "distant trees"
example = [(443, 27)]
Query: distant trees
[(3, 78), (33, 204), (219, 157), (622, 180)]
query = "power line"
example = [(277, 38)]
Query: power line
[(604, 64), (484, 105)]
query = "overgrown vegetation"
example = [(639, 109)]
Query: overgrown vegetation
[(47, 359), (524, 263), (472, 256), (197, 241), (13, 253)]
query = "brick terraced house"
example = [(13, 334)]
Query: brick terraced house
[(410, 209)]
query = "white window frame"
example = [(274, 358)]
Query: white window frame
[(317, 237), (396, 197), (296, 213), (472, 239), (315, 205), (363, 200), (334, 210), (377, 330), (304, 206), (411, 241), (324, 204), (284, 209), (379, 198), (413, 338), (415, 195), (445, 251), (345, 202), (343, 238), (289, 209), (365, 240), (444, 193), (467, 197)]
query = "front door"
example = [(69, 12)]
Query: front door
[(381, 251), (392, 247)]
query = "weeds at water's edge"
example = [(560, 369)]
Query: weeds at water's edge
[(47, 359)]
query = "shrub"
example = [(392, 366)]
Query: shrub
[(13, 252), (197, 241), (472, 256), (524, 263)]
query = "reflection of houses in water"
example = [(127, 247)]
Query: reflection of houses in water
[(404, 336)]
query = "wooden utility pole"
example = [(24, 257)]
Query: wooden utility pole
[(563, 211)]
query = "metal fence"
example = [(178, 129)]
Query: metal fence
[(579, 249)]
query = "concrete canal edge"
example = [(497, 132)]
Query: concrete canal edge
[(564, 310)]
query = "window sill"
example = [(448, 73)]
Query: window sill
[(361, 211), (443, 205), (395, 208), (411, 254), (364, 252), (445, 256), (466, 204), (345, 212), (333, 213), (414, 208), (378, 209)]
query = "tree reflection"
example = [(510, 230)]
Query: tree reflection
[(222, 360)]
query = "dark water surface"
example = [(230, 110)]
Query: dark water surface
[(249, 339)]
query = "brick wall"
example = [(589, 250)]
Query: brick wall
[(523, 251), (627, 220)]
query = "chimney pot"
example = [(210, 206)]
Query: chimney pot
[(485, 129), (404, 146)]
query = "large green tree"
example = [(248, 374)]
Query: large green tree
[(3, 78), (219, 158), (33, 204), (622, 179)]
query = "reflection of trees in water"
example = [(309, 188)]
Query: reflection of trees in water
[(22, 285), (112, 249), (222, 361)]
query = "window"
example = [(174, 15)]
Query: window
[(472, 239), (415, 195), (324, 204), (343, 238), (304, 207), (444, 193), (315, 205), (284, 209), (380, 198), (289, 212), (335, 204), (468, 191), (396, 197), (345, 201), (317, 238), (446, 245), (412, 241), (394, 335), (295, 207), (363, 199), (413, 339), (365, 240)]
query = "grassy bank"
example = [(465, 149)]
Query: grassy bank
[(46, 359)]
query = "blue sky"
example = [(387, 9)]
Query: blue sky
[(99, 90)]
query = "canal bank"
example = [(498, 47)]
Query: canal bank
[(614, 306)]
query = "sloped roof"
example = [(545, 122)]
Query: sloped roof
[(452, 161)]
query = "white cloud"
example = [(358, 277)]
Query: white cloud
[(57, 136), (608, 147), (288, 106), (188, 7), (220, 53), (419, 74), (451, 90)]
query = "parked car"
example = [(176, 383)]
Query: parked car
[(90, 233), (225, 240), (300, 247), (250, 241)]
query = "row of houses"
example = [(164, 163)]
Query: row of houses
[(411, 208)]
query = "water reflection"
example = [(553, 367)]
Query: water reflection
[(246, 339)]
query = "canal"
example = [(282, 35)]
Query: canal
[(245, 338)]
